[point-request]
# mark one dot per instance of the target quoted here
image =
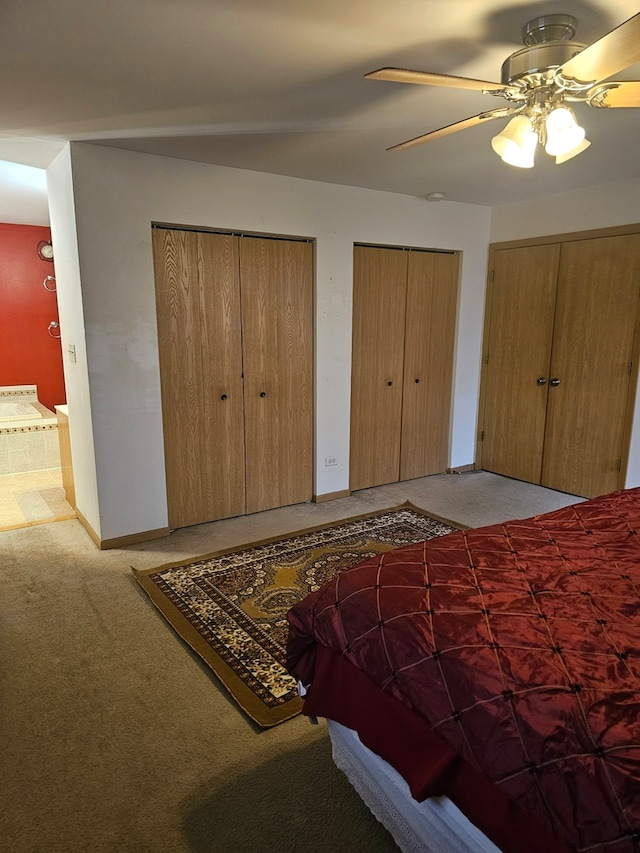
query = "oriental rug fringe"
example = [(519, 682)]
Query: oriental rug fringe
[(231, 607)]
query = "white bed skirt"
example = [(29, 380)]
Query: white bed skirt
[(434, 826)]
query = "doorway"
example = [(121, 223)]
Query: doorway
[(31, 381), (560, 360)]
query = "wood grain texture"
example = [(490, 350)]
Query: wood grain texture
[(520, 329), (596, 317), (379, 305), (198, 313), (221, 365), (277, 322), (432, 299), (66, 462)]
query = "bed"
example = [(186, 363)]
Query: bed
[(497, 668)]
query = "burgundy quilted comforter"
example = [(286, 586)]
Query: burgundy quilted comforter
[(508, 660)]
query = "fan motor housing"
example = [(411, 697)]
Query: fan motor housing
[(539, 60)]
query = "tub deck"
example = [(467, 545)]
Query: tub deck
[(28, 431)]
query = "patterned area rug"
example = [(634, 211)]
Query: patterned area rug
[(231, 608)]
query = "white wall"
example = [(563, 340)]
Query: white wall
[(118, 194), (23, 194), (70, 309), (600, 207)]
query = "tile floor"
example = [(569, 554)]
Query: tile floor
[(32, 497)]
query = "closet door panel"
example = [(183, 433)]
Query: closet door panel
[(197, 302), (379, 302), (432, 294), (596, 315), (277, 321), (221, 365), (522, 304)]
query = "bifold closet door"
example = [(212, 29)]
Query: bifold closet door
[(591, 364), (404, 320), (199, 338), (432, 299), (379, 305), (521, 309), (562, 343), (277, 322)]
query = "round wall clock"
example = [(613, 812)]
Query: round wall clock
[(45, 250)]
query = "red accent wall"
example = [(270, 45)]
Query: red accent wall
[(28, 353)]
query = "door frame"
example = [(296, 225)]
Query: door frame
[(613, 231), (408, 250), (299, 238)]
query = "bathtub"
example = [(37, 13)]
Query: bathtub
[(28, 431)]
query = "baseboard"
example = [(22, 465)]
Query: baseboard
[(83, 521), (121, 541), (462, 469), (134, 538), (331, 496)]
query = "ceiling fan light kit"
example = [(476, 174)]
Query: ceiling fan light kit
[(539, 80), (557, 130), (516, 143), (562, 158), (563, 132)]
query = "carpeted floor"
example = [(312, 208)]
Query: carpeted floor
[(231, 608), (116, 738)]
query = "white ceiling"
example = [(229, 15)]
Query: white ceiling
[(277, 86)]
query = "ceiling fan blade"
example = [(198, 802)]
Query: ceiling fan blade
[(623, 94), (612, 53), (403, 75), (453, 128)]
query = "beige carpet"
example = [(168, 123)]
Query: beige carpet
[(231, 608), (115, 740)]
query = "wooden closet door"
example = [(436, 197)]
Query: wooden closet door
[(198, 313), (277, 322), (517, 355), (432, 298), (379, 300), (596, 316)]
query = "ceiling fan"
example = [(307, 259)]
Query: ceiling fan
[(539, 80)]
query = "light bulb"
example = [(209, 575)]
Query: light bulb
[(562, 158), (563, 132), (516, 143)]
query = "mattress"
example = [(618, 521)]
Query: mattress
[(497, 666), (435, 825)]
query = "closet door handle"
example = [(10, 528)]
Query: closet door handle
[(417, 380), (542, 380), (263, 393), (554, 382), (389, 383), (224, 397)]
